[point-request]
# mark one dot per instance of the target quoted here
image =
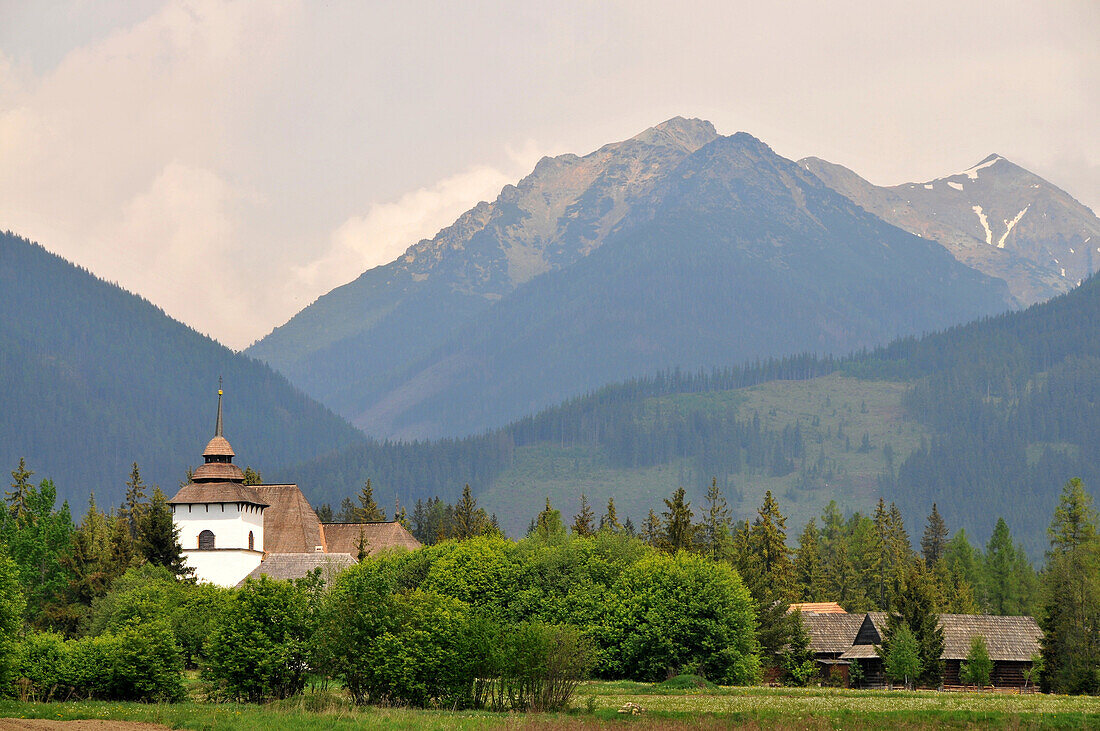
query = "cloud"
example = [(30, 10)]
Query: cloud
[(384, 232)]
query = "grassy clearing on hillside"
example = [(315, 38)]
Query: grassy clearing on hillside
[(811, 708), (834, 413)]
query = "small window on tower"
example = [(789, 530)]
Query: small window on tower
[(251, 541), (206, 541)]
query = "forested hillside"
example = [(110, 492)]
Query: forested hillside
[(988, 419), (93, 378)]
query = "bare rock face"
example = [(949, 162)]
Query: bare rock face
[(677, 247), (995, 217)]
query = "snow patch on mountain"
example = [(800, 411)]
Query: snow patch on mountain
[(985, 224), (1010, 224), (972, 173), (956, 186)]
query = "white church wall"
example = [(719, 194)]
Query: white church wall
[(229, 522), (222, 567)]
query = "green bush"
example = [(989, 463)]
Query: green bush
[(541, 666), (42, 667), (11, 621), (666, 612), (140, 662), (259, 647)]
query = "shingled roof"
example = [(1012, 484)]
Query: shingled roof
[(1008, 638), (217, 492), (831, 632), (290, 525), (817, 608), (344, 537), (287, 566)]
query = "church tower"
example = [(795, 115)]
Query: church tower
[(220, 519)]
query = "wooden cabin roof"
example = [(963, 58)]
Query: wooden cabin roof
[(817, 608), (288, 566), (218, 447), (1008, 638), (344, 537), (831, 632), (217, 472)]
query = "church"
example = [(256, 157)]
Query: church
[(230, 531)]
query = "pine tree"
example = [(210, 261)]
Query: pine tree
[(468, 519), (134, 503), (362, 546), (252, 477), (548, 525), (87, 559), (20, 487), (1071, 623), (677, 529), (715, 529), (1001, 590), (651, 529), (583, 520), (368, 510), (420, 522), (768, 546), (324, 513), (158, 537), (610, 519), (348, 512), (917, 609), (934, 541), (808, 569), (400, 516)]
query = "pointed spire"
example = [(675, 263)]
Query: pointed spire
[(218, 425)]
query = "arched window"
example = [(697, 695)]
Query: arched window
[(251, 541), (206, 541)]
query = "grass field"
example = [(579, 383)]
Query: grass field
[(794, 708)]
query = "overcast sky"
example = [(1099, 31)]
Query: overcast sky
[(233, 161)]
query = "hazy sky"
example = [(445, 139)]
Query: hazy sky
[(233, 161)]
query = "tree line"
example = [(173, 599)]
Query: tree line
[(475, 619)]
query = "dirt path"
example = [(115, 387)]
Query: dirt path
[(46, 724)]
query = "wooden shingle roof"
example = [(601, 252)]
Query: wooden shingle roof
[(817, 608), (1008, 638), (831, 633), (288, 566), (218, 472), (290, 525), (344, 537), (218, 447), (217, 492)]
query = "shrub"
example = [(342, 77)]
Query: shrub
[(542, 665), (978, 667), (258, 648), (11, 621), (41, 668), (665, 612)]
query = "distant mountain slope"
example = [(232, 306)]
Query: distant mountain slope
[(996, 217), (987, 419), (93, 378), (346, 347), (675, 248)]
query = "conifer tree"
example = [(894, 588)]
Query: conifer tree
[(420, 522), (252, 477), (809, 572), (368, 510), (934, 541), (468, 519), (88, 558), (582, 521), (651, 529), (158, 537), (677, 529), (610, 519), (628, 527), (1001, 582), (715, 530), (917, 609), (20, 487), (768, 547), (399, 514), (324, 513), (548, 525), (1071, 623), (134, 504), (348, 512)]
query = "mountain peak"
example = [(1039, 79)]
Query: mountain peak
[(690, 134)]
